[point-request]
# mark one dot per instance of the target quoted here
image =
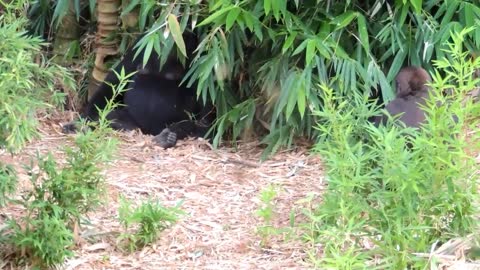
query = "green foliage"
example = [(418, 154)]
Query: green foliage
[(278, 53), (268, 213), (267, 197), (45, 14), (150, 218), (60, 196), (385, 201), (44, 241), (62, 193), (8, 182), (287, 49), (25, 86)]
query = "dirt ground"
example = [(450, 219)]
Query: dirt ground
[(220, 189)]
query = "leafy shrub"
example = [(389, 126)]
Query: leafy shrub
[(268, 212), (59, 198), (385, 202), (150, 217), (44, 241), (25, 86), (8, 181), (61, 194)]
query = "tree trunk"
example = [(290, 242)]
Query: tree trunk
[(68, 31), (106, 42), (67, 36)]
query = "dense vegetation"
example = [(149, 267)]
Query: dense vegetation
[(400, 201), (291, 68), (61, 192), (265, 60)]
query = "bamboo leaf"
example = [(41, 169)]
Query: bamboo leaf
[(92, 5), (131, 5), (216, 15), (284, 94), (363, 33), (184, 19), (145, 9), (300, 47), (292, 95), (258, 31), (397, 64), (417, 5), (288, 43), (323, 50), (301, 98), (248, 18), (60, 10), (174, 27), (310, 53), (451, 9), (276, 5), (76, 6), (232, 17), (148, 51), (194, 17), (267, 6), (343, 20)]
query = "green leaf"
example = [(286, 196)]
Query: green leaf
[(323, 50), (311, 45), (216, 15), (60, 10), (286, 87), (288, 43), (343, 20), (184, 19), (397, 64), (148, 51), (131, 5), (300, 47), (258, 31), (451, 10), (267, 5), (276, 6), (194, 17), (249, 19), (76, 7), (469, 16), (145, 9), (363, 32), (292, 96), (174, 27), (417, 5), (301, 98), (92, 6), (232, 17)]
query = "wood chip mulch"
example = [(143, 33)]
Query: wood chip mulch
[(220, 189)]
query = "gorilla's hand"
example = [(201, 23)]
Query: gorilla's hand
[(69, 128), (166, 138)]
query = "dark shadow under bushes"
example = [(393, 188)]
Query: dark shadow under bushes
[(386, 202)]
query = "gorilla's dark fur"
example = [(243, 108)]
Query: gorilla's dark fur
[(411, 93), (156, 103)]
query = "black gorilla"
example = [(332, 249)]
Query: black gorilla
[(411, 93), (155, 103)]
